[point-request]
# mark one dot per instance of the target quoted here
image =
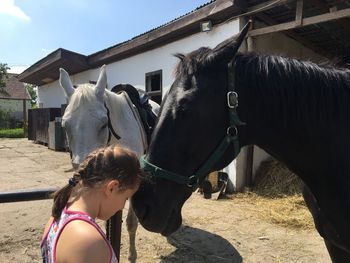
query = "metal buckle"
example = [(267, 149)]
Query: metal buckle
[(232, 99), (192, 181), (232, 131)]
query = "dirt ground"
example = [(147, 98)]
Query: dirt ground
[(227, 230)]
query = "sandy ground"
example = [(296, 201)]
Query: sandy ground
[(228, 230)]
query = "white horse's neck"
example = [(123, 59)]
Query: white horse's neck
[(130, 127)]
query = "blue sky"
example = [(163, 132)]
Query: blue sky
[(31, 29)]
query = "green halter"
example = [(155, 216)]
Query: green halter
[(231, 137)]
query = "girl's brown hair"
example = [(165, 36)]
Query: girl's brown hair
[(112, 162)]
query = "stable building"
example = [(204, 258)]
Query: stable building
[(316, 30)]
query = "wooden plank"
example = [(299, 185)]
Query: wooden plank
[(305, 22), (304, 41), (264, 6), (299, 13), (25, 125), (323, 7)]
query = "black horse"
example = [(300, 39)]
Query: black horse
[(297, 111)]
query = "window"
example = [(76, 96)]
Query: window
[(154, 85)]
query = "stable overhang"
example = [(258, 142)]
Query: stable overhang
[(46, 70)]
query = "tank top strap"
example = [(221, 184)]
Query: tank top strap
[(48, 246)]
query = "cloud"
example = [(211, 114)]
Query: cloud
[(9, 7)]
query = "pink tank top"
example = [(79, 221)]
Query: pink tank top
[(48, 244)]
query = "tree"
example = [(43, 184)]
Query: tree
[(3, 77), (32, 92)]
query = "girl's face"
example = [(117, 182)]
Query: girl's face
[(115, 199)]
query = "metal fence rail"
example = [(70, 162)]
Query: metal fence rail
[(26, 195)]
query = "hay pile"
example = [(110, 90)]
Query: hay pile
[(277, 194), (273, 179)]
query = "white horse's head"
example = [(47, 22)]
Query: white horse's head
[(85, 119)]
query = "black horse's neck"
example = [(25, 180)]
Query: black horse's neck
[(291, 107)]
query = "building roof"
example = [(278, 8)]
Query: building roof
[(321, 25), (46, 70), (14, 89)]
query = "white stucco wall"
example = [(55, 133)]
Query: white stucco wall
[(132, 70)]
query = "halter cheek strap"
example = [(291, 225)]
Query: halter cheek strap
[(110, 128)]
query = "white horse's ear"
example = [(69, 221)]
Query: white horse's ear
[(66, 83), (101, 83)]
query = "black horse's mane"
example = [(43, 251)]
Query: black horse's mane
[(299, 90)]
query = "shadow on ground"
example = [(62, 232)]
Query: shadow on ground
[(196, 245)]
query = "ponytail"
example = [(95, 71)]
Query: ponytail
[(60, 199), (61, 196)]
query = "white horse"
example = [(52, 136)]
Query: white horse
[(96, 117)]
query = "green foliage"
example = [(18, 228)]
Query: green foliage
[(3, 77), (32, 92), (12, 133)]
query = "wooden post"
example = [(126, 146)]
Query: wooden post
[(250, 148), (299, 13), (114, 230), (25, 124)]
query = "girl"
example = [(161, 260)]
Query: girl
[(101, 186)]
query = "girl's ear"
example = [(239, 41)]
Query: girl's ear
[(111, 186)]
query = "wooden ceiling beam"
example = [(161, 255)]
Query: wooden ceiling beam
[(266, 19), (305, 22), (324, 7)]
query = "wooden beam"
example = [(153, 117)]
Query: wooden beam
[(260, 8), (304, 41), (299, 13), (25, 124), (324, 7), (265, 6), (305, 22)]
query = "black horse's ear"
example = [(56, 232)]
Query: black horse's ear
[(226, 50)]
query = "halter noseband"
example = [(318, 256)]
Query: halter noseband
[(231, 137)]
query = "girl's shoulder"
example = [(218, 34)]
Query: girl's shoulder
[(80, 241)]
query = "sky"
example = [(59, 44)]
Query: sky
[(31, 29)]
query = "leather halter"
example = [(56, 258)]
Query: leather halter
[(110, 128), (231, 137)]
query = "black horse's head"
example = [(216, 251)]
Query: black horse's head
[(193, 120)]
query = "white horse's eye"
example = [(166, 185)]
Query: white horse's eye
[(104, 126)]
